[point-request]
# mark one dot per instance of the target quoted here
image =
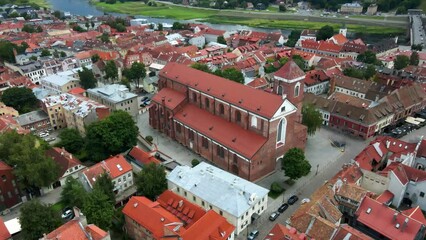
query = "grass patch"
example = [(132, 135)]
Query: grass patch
[(368, 17), (290, 182), (272, 8), (57, 207), (41, 3), (160, 11), (423, 6)]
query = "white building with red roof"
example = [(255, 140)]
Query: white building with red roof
[(69, 166), (118, 169)]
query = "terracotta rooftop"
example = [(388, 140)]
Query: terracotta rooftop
[(290, 71), (347, 232), (386, 197), (142, 156), (73, 231), (280, 232), (171, 98), (64, 159), (4, 233), (114, 166)]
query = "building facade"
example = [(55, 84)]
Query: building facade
[(9, 195), (238, 128)]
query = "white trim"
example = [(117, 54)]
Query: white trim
[(279, 114), (194, 90), (245, 159), (288, 80), (217, 99), (219, 144)]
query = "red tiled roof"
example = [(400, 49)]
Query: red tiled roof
[(416, 213), (258, 83), (172, 98), (4, 166), (385, 197), (256, 101), (96, 232), (347, 232), (64, 159), (226, 133), (113, 164), (340, 39), (329, 47), (210, 226), (83, 55), (290, 71), (72, 231), (142, 156), (4, 233), (280, 232), (7, 123), (421, 152), (77, 91), (380, 219)]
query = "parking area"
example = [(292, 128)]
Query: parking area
[(49, 135), (409, 125)]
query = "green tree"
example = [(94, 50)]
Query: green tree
[(45, 53), (20, 98), (299, 61), (201, 66), (39, 29), (13, 15), (221, 40), (401, 61), (283, 61), (110, 136), (151, 181), (92, 24), (369, 71), (99, 209), (95, 58), (87, 25), (295, 164), (311, 118), (233, 74), (282, 8), (416, 47), (37, 219), (414, 59), (28, 28), (353, 72), (105, 38), (111, 71), (87, 79), (136, 72), (73, 193), (57, 14), (6, 50), (160, 27), (368, 57), (325, 33), (104, 184), (195, 162), (62, 54), (177, 26), (293, 37), (120, 27), (71, 140)]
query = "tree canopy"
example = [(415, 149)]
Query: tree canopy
[(311, 118), (99, 209), (299, 61), (111, 136), (73, 193), (232, 74), (20, 98), (325, 33), (95, 58), (202, 67), (221, 39), (135, 73), (87, 79), (104, 184), (414, 58), (361, 73), (26, 154), (295, 164), (151, 181), (293, 37), (37, 219), (71, 140), (401, 61), (111, 71), (368, 57)]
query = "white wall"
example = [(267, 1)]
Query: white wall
[(123, 182), (417, 194), (396, 187)]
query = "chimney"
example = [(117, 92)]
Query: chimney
[(404, 225), (394, 217)]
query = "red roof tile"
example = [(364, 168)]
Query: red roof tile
[(111, 166), (329, 47), (347, 232), (416, 213), (226, 133), (339, 39), (210, 226), (258, 83), (96, 232), (77, 91), (4, 233), (72, 231), (64, 159), (385, 197), (245, 97), (171, 98), (142, 156), (280, 232), (290, 71), (380, 219)]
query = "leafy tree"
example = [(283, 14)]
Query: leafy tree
[(125, 82), (111, 136), (95, 58), (160, 27), (221, 40), (87, 79), (295, 164), (293, 37), (151, 181), (111, 71), (45, 53), (71, 140), (325, 33), (92, 24), (178, 26), (99, 209), (87, 25), (276, 187), (201, 67), (33, 58), (401, 61), (369, 72), (57, 14), (299, 61), (63, 54), (13, 15), (104, 184), (39, 29), (28, 28), (368, 57), (233, 74), (195, 162), (311, 118), (73, 193), (36, 219), (20, 98), (353, 72), (6, 50), (282, 8), (414, 58), (135, 73), (416, 47), (120, 27), (283, 61)]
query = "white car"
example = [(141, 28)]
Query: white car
[(43, 134)]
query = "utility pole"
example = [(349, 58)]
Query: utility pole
[(316, 173)]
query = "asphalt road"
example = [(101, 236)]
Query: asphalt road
[(418, 35)]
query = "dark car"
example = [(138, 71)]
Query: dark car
[(283, 207), (292, 199), (274, 216), (253, 235)]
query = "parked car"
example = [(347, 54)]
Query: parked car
[(147, 102), (274, 216), (67, 213), (43, 134), (283, 207), (145, 98), (253, 235), (292, 200), (50, 139)]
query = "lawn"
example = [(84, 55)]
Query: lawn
[(41, 3), (423, 6), (57, 207), (368, 17), (160, 11)]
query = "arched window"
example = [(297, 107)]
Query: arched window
[(207, 102), (281, 132), (297, 90), (280, 90), (194, 97), (237, 116), (221, 109), (253, 121)]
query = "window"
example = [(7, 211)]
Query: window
[(205, 143), (280, 90), (191, 135), (202, 203), (220, 151), (184, 193), (178, 128), (253, 121), (178, 189), (281, 132), (422, 194), (221, 109), (207, 102), (297, 90), (3, 177), (75, 168), (221, 213), (194, 198), (238, 116), (194, 97), (129, 174)]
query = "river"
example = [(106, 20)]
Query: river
[(84, 8)]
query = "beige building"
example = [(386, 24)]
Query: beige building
[(351, 8), (58, 83), (372, 9), (67, 110), (116, 97), (5, 110)]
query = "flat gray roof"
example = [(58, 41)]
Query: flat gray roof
[(224, 190), (113, 92), (31, 117)]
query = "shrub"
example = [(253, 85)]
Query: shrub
[(149, 138), (195, 162), (276, 187)]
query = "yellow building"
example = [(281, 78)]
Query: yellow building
[(5, 110)]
